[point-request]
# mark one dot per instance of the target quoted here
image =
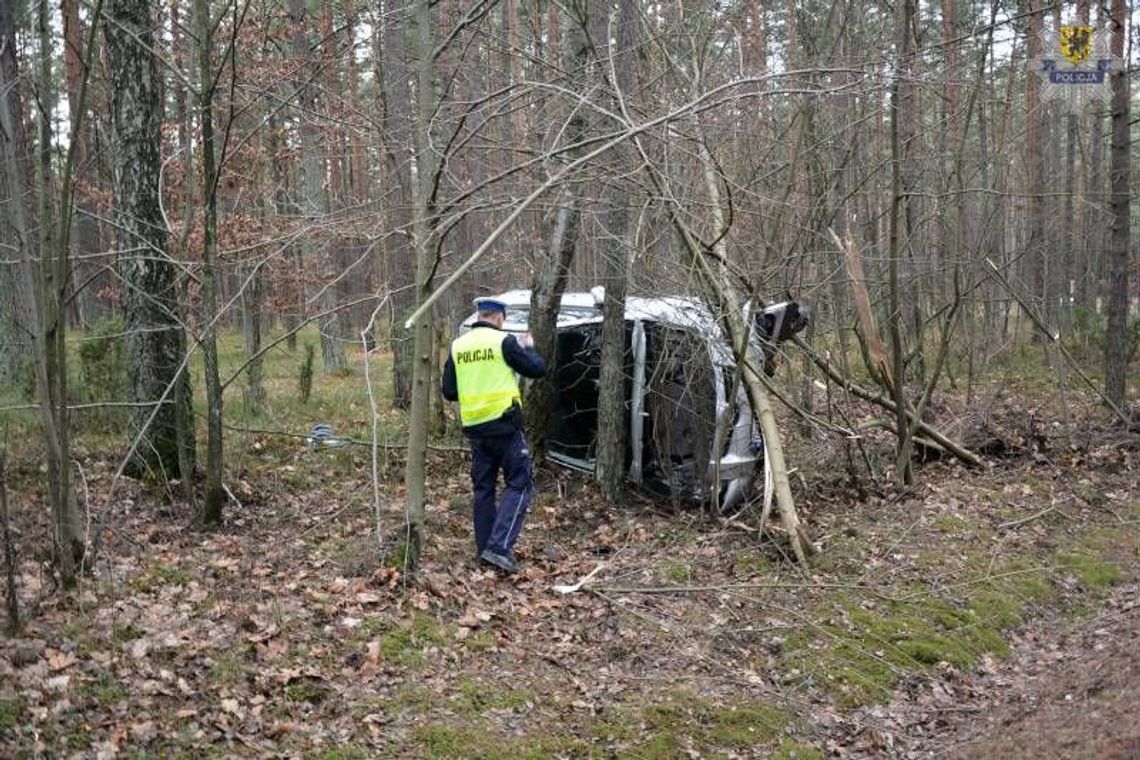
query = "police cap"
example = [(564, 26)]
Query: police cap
[(490, 304)]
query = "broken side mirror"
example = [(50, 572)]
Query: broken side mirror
[(781, 321)]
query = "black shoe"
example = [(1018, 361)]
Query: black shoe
[(504, 562)]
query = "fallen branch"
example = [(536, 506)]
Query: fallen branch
[(959, 451), (570, 589), (1035, 516), (741, 587)]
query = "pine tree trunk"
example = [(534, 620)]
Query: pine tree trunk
[(1117, 334), (1034, 152), (86, 305), (899, 116)]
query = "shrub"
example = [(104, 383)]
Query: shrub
[(103, 360), (103, 370)]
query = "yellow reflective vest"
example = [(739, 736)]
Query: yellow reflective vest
[(487, 385)]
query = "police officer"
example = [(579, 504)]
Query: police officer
[(480, 375)]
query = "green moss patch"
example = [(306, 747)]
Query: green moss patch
[(666, 727), (405, 644), (676, 572), (157, 576), (743, 724), (440, 741), (307, 690), (1092, 571), (475, 698), (861, 652)]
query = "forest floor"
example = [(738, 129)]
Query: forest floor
[(983, 612)]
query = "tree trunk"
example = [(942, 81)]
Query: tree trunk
[(617, 253), (251, 311), (1118, 333), (151, 310), (211, 512), (86, 305), (425, 246), (67, 543), (899, 116), (550, 280), (397, 122), (1034, 152), (18, 324)]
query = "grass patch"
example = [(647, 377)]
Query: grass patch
[(305, 690), (124, 632), (405, 644), (476, 698), (11, 712), (1093, 572), (793, 750), (750, 562), (712, 727), (159, 575), (948, 523), (676, 572), (996, 609), (105, 690), (440, 741), (858, 654), (482, 641), (412, 697), (743, 724), (558, 745)]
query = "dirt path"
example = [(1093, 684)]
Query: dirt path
[(1071, 691)]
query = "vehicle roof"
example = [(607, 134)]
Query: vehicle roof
[(580, 308)]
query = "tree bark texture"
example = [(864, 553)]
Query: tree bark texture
[(54, 273), (211, 510), (613, 414), (86, 305), (425, 247), (1034, 152), (899, 200), (18, 323), (151, 307), (1118, 332)]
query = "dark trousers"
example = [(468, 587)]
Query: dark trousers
[(497, 527)]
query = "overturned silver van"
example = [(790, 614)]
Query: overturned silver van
[(679, 372)]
